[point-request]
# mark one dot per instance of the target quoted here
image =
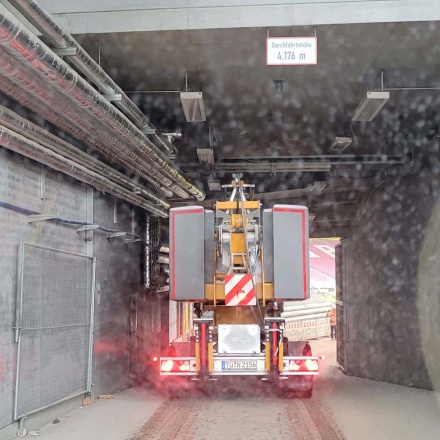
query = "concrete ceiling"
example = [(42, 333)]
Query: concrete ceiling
[(252, 119)]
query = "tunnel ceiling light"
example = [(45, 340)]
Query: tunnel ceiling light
[(371, 106), (339, 144), (193, 106), (205, 155)]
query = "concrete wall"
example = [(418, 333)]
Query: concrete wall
[(392, 284), (118, 277), (20, 188)]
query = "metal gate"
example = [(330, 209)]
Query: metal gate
[(341, 349), (54, 327)]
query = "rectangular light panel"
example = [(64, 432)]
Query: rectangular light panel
[(193, 106), (340, 144), (371, 106), (205, 155)]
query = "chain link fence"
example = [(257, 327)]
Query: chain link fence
[(54, 325)]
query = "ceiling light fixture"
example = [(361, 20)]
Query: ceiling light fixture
[(371, 106), (339, 144), (193, 106), (206, 156)]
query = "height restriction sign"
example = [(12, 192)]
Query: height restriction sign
[(292, 51)]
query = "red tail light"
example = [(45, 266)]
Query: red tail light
[(311, 365), (294, 365), (307, 365), (155, 358), (167, 365), (184, 366), (177, 365)]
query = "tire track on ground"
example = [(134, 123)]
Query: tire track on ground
[(324, 420), (172, 420), (300, 423), (312, 419), (259, 418)]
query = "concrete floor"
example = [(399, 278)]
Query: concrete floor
[(341, 408)]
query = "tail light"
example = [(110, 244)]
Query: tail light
[(155, 358), (167, 365), (295, 365), (177, 365), (184, 366), (311, 365), (303, 365)]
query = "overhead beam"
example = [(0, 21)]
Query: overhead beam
[(96, 16)]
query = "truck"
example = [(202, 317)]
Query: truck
[(238, 264)]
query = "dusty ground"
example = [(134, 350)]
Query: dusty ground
[(341, 408)]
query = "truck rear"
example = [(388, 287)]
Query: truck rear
[(238, 265)]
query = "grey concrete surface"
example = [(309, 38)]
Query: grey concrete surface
[(342, 407), (118, 278), (365, 409), (109, 419), (144, 15), (391, 285), (20, 187)]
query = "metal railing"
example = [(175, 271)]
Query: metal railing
[(304, 330)]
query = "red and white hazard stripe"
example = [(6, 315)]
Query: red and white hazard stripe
[(239, 290)]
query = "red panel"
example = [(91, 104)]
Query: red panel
[(203, 345), (274, 344)]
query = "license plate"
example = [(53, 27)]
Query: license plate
[(239, 365)]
